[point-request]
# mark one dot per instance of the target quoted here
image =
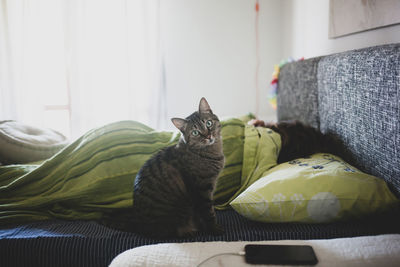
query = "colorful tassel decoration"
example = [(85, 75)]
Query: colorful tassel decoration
[(275, 78)]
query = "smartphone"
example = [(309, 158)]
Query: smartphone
[(280, 254)]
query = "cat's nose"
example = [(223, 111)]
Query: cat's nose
[(209, 136)]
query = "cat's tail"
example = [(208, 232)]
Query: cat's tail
[(127, 220), (121, 220)]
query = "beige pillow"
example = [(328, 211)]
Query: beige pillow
[(21, 143)]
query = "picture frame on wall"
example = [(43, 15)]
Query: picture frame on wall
[(352, 16)]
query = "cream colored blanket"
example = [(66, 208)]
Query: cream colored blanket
[(382, 250)]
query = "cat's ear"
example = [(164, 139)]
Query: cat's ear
[(204, 107), (179, 123)]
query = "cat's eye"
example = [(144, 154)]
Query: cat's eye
[(209, 123), (195, 133)]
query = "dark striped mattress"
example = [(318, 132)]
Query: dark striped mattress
[(87, 243)]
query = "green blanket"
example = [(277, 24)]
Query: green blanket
[(94, 175)]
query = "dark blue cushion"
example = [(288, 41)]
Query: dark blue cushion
[(80, 243)]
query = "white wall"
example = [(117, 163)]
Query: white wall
[(210, 51), (305, 27)]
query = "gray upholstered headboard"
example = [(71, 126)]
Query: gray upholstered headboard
[(356, 95)]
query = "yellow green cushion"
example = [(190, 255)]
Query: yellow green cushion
[(321, 188)]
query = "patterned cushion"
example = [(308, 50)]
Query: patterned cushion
[(320, 188), (359, 100)]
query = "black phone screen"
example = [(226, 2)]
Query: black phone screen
[(280, 254)]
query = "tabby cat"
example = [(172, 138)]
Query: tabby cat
[(300, 140), (173, 190)]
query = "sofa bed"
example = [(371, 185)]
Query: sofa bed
[(354, 95)]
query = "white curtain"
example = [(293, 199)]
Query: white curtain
[(81, 63)]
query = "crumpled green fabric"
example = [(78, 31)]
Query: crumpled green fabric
[(260, 153), (94, 175)]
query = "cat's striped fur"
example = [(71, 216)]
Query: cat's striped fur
[(173, 190)]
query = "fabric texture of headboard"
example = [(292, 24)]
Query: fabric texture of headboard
[(354, 94)]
